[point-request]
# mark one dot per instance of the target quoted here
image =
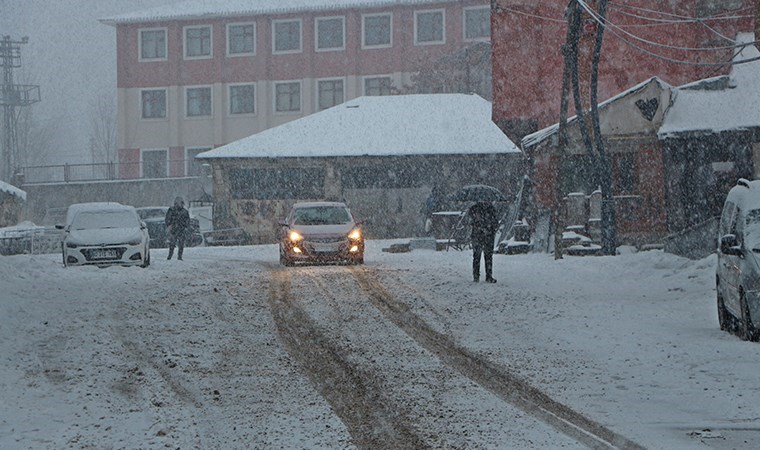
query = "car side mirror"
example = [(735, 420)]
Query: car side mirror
[(143, 225), (729, 245)]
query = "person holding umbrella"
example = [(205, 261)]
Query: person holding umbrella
[(484, 223)]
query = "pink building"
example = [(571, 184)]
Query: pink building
[(199, 75)]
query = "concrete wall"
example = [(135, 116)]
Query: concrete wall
[(155, 192)]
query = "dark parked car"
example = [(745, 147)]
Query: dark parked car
[(154, 216)]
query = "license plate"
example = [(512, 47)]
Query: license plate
[(324, 248), (104, 254)]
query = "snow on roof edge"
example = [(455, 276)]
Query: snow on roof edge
[(539, 136), (13, 190), (247, 10)]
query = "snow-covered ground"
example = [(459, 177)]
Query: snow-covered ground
[(228, 350)]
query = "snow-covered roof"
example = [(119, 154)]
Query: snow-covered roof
[(194, 9), (424, 124), (539, 136), (13, 190), (736, 107)]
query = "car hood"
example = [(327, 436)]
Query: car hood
[(323, 230), (103, 236)]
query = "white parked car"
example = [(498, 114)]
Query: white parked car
[(104, 234), (738, 271)]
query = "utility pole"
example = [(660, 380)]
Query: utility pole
[(757, 24), (571, 42), (12, 96)]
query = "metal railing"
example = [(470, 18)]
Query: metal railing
[(68, 173)]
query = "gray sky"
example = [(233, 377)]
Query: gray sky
[(72, 57)]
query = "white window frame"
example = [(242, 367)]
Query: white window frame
[(364, 35), (364, 83), (316, 90), (140, 44), (211, 101), (443, 26), (210, 42), (189, 162), (274, 36), (274, 97), (255, 99), (316, 34), (142, 161), (227, 36), (166, 105), (464, 24)]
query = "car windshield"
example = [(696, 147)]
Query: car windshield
[(104, 219), (752, 230), (322, 215)]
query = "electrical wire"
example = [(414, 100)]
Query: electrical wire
[(669, 47), (593, 14), (682, 17)]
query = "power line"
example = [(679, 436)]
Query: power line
[(658, 56), (681, 17)]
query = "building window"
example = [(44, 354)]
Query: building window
[(376, 30), (243, 99), (428, 27), (330, 33), (287, 97), (198, 102), (378, 86), (152, 44), (477, 23), (241, 39), (278, 184), (198, 42), (286, 36), (194, 167), (154, 163), (330, 93), (153, 103)]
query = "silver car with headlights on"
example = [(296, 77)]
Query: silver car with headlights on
[(321, 232)]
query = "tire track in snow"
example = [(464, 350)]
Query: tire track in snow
[(353, 394), (487, 374)]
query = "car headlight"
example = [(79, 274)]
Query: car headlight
[(135, 241), (70, 245), (294, 236), (355, 234)]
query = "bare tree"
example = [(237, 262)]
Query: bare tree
[(36, 140), (466, 71), (103, 129)]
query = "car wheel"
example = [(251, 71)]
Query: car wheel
[(724, 319), (285, 261), (358, 259), (747, 330)]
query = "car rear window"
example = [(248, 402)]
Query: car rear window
[(105, 219), (322, 215)]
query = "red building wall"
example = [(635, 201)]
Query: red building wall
[(526, 37)]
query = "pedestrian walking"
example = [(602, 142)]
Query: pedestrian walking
[(484, 224), (177, 222)]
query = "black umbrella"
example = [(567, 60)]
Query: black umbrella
[(479, 193)]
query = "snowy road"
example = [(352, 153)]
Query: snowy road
[(230, 350)]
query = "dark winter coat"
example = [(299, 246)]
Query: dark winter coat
[(177, 220), (483, 221)]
